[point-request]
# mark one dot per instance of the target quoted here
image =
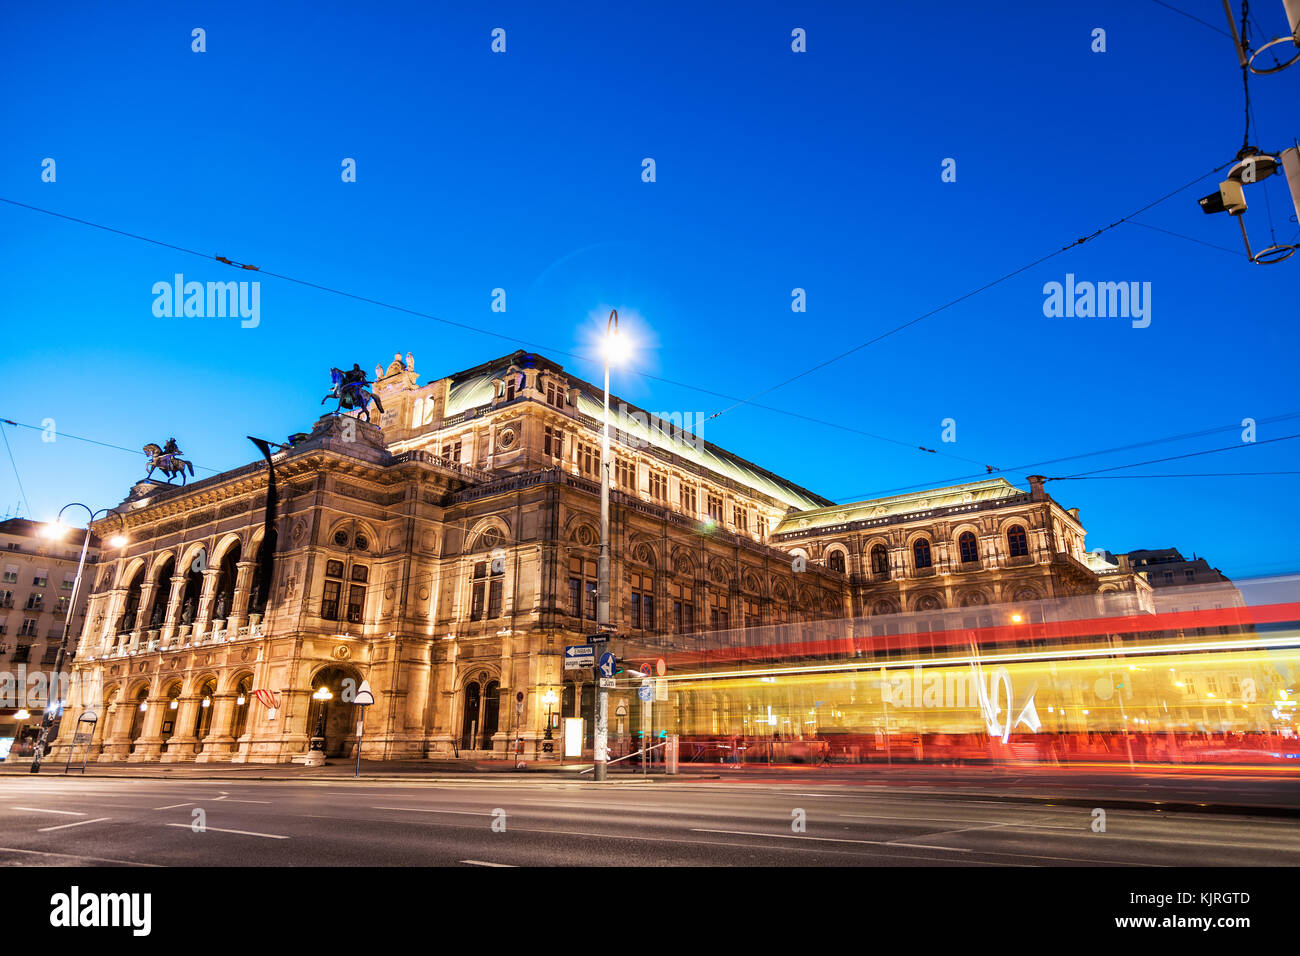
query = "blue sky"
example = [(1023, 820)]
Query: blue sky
[(775, 170)]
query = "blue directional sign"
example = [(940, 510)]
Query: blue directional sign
[(579, 655), (607, 664), (645, 692)]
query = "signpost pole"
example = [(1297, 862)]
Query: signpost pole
[(363, 700)]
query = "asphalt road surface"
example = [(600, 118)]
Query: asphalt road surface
[(526, 822)]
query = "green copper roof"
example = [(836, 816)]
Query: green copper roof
[(972, 493)]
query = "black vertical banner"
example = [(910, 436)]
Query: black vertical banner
[(266, 557)]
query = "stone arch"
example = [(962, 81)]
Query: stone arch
[(927, 601), (719, 572), (582, 531), (973, 597), (683, 562), (224, 544), (829, 557), (643, 552), (487, 534), (356, 530), (884, 606), (333, 718)]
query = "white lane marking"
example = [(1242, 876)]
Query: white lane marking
[(484, 863), (75, 856), (233, 800), (71, 813), (800, 836), (269, 836), (465, 813), (174, 806), (64, 826)]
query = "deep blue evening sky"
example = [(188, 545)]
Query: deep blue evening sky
[(775, 170)]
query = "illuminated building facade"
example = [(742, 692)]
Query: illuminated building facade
[(447, 555)]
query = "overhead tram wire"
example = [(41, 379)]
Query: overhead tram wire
[(1205, 474), (17, 477), (1190, 454), (1184, 13), (961, 298), (482, 331), (1019, 469)]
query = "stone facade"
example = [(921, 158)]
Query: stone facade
[(447, 555)]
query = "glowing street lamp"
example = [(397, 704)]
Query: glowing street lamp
[(549, 699), (57, 530)]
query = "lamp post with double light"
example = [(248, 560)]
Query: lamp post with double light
[(615, 350), (56, 530)]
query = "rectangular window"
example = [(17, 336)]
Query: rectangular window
[(719, 615), (62, 607), (643, 602), (360, 573), (589, 460), (477, 592), (29, 627), (715, 507), (451, 450), (625, 474), (68, 582), (1189, 574), (494, 598), (582, 587), (333, 569), (11, 575), (688, 499), (553, 442), (356, 603), (762, 526), (6, 598), (329, 605), (35, 601), (682, 597), (555, 395), (658, 486), (741, 515), (41, 580)]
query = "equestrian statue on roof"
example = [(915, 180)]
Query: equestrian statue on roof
[(352, 389), (168, 460)]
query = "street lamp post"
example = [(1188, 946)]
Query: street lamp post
[(55, 531), (613, 349)]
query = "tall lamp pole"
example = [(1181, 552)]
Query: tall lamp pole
[(613, 349), (56, 530)]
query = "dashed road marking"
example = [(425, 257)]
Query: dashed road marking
[(206, 829), (79, 823)]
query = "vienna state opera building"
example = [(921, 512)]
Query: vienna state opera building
[(447, 554)]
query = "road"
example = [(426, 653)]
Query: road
[(509, 821)]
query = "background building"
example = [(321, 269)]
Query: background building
[(38, 574)]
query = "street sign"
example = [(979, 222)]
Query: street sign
[(643, 670), (645, 692), (598, 639), (608, 683), (607, 665), (661, 689), (519, 702), (577, 656), (621, 710), (661, 668)]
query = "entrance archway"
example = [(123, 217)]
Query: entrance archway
[(471, 721), (333, 717)]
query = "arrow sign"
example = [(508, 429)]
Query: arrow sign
[(364, 695), (607, 664), (579, 655)]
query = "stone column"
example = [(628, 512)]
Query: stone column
[(148, 745), (217, 743), (204, 615), (239, 603), (173, 619)]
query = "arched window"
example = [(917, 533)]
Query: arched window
[(141, 704), (921, 553), (203, 719), (880, 560), (161, 592), (491, 711), (243, 695), (1017, 542), (470, 724), (835, 561), (967, 546)]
